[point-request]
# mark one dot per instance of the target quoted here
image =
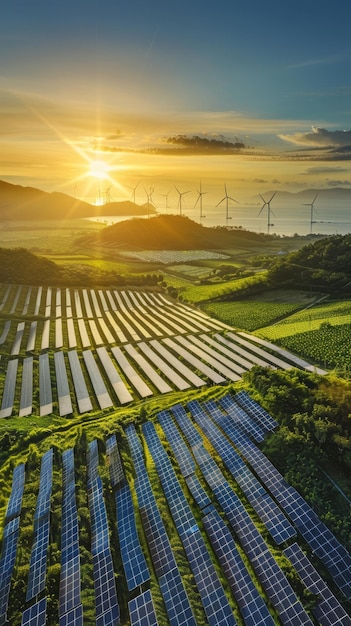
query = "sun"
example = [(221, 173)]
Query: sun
[(99, 169)]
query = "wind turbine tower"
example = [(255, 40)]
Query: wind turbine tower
[(267, 203), (199, 199), (165, 195), (132, 197), (311, 205), (108, 197), (181, 194), (226, 198)]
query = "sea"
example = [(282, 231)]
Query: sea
[(285, 221)]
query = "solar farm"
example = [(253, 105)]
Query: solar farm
[(189, 522), (231, 561), (87, 349)]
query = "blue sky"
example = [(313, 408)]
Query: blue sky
[(85, 81)]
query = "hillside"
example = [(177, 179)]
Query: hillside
[(28, 203), (325, 263), (172, 232)]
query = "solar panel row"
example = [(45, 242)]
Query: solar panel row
[(69, 593), (250, 538), (214, 600), (37, 567), (321, 540), (328, 611), (171, 585), (270, 514), (106, 602)]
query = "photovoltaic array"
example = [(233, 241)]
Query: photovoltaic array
[(106, 602), (10, 538), (204, 526)]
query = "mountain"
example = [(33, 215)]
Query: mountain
[(28, 203), (171, 232), (324, 197)]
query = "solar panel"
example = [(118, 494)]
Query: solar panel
[(114, 462), (176, 600), (7, 562), (199, 494), (106, 601), (134, 563), (273, 518), (328, 611), (279, 590), (69, 593), (255, 410), (142, 610), (181, 451), (241, 418), (251, 604), (15, 501), (214, 600), (37, 571), (73, 617), (35, 615)]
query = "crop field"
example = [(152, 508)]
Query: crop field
[(191, 272), (200, 293), (329, 346)]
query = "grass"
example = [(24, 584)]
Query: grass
[(200, 293), (308, 320)]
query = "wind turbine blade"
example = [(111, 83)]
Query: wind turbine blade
[(315, 198), (261, 210), (220, 202), (230, 198), (262, 198)]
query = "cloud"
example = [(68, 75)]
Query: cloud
[(323, 169), (320, 138), (203, 145), (338, 183)]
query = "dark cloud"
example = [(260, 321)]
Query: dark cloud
[(204, 145), (324, 169), (320, 138), (338, 183)]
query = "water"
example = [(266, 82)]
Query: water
[(285, 220)]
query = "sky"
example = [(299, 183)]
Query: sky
[(111, 100)]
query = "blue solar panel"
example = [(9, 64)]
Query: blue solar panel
[(73, 617), (114, 462), (176, 601), (69, 595), (142, 610), (251, 604), (273, 518), (134, 563), (181, 451), (15, 502), (328, 611), (37, 570), (255, 410), (7, 562), (104, 584), (240, 418), (199, 494), (214, 600), (35, 615)]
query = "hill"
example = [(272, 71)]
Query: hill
[(172, 232), (28, 203), (326, 263)]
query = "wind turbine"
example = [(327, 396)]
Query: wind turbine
[(132, 197), (108, 197), (311, 205), (267, 203), (165, 195), (149, 198), (226, 198), (199, 199), (181, 194)]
